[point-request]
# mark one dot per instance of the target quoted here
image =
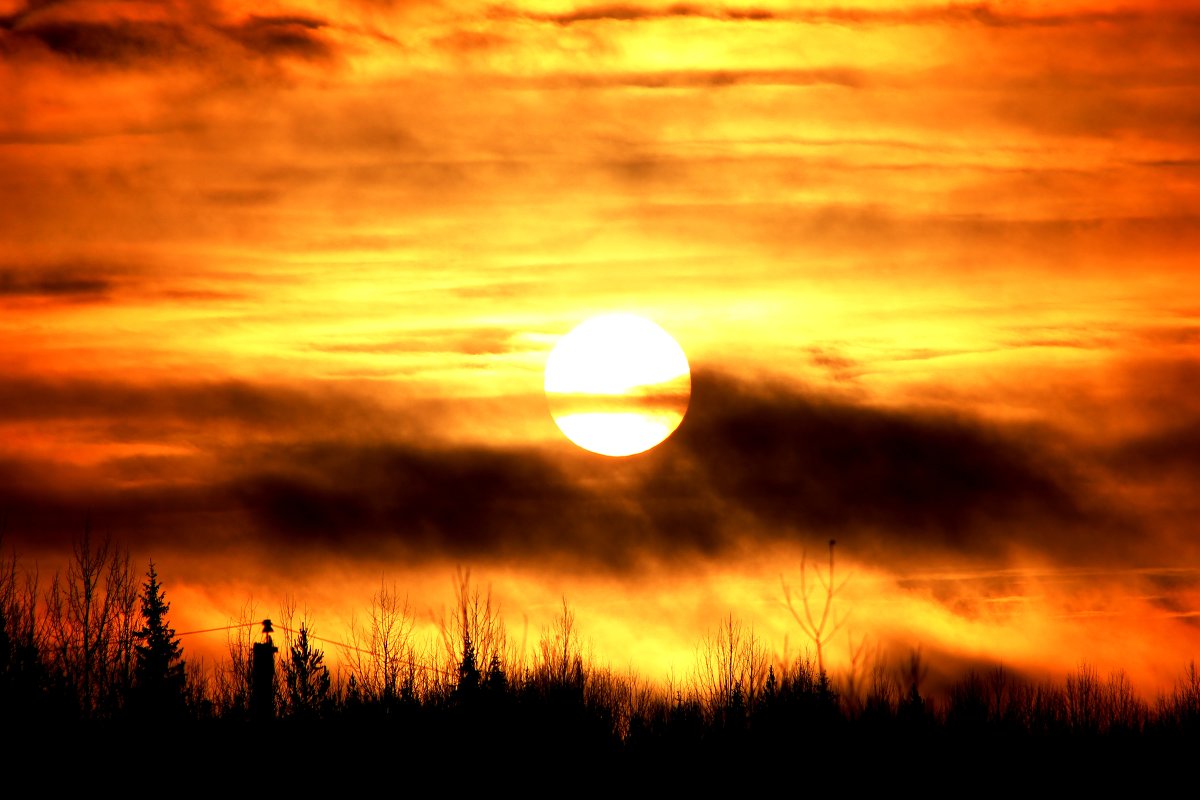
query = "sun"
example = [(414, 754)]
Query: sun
[(618, 384)]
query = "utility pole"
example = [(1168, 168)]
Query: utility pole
[(262, 686)]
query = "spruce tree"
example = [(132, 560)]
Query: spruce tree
[(497, 681), (468, 672), (307, 678), (159, 671)]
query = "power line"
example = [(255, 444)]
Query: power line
[(310, 635), (226, 628), (410, 662)]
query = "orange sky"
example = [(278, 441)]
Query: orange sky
[(278, 281)]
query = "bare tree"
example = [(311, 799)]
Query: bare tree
[(914, 673), (854, 681), (382, 655), (883, 693), (1181, 708), (18, 604), (233, 679), (474, 630), (22, 674), (1084, 700), (732, 670), (198, 689), (560, 652), (90, 618), (1125, 711), (823, 626), (123, 585), (630, 699)]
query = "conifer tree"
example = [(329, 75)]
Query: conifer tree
[(497, 681), (159, 671), (306, 677), (468, 671)]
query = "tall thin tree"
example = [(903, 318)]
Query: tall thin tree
[(159, 672)]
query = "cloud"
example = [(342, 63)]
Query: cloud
[(1175, 450), (119, 42), (801, 464), (698, 79), (44, 506), (752, 464), (461, 502), (282, 36), (204, 35), (984, 14), (482, 341), (838, 366), (157, 410), (757, 465), (66, 283)]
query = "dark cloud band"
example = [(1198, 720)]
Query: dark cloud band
[(752, 464)]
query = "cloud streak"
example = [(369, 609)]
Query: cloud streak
[(752, 466), (985, 14), (202, 35), (64, 283)]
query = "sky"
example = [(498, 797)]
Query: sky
[(278, 282)]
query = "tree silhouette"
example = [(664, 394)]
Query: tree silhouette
[(475, 621), (731, 674), (159, 671), (818, 627), (381, 652), (497, 681), (89, 620), (23, 673), (306, 677), (468, 672)]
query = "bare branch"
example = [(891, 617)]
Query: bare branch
[(822, 630)]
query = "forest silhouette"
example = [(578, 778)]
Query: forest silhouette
[(94, 651)]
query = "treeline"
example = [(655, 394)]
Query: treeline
[(94, 645)]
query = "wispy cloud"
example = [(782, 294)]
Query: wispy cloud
[(987, 14), (56, 283)]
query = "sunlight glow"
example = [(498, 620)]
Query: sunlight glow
[(620, 434), (614, 354), (617, 384)]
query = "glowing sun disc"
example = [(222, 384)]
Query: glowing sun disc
[(617, 384)]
